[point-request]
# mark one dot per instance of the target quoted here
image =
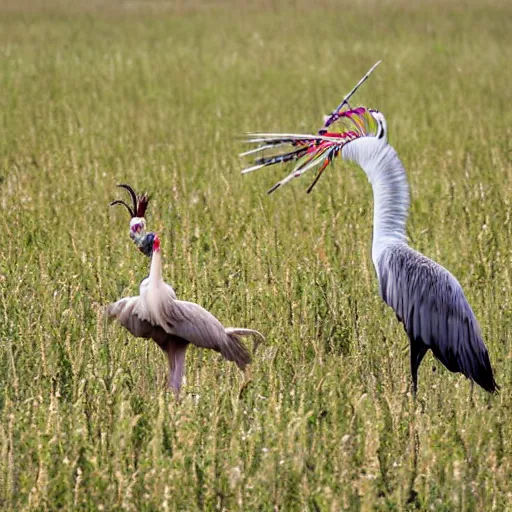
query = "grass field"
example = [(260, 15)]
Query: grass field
[(155, 94)]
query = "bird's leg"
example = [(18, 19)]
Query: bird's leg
[(169, 350), (418, 351), (412, 495), (176, 357), (471, 389)]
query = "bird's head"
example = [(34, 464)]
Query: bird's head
[(137, 212), (369, 140), (149, 244), (382, 131), (353, 124), (137, 229)]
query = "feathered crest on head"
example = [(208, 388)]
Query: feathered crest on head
[(137, 212), (142, 204), (139, 202), (343, 125)]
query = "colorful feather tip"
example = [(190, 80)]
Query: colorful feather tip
[(309, 151)]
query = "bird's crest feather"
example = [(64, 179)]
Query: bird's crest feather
[(308, 151), (343, 125)]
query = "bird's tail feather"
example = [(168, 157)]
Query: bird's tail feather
[(240, 331), (481, 372), (472, 360), (235, 350)]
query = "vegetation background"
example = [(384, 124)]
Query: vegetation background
[(155, 94)]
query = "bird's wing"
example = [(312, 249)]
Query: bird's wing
[(193, 323), (198, 326), (132, 314), (171, 291), (430, 302), (157, 315)]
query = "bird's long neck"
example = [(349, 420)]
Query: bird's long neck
[(155, 271), (390, 190)]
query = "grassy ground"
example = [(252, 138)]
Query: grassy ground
[(154, 95)]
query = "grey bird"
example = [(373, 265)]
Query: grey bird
[(173, 324), (427, 298)]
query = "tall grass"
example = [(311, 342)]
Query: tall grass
[(155, 95)]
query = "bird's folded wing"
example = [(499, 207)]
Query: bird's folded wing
[(132, 314), (194, 324), (186, 320), (432, 306), (178, 318)]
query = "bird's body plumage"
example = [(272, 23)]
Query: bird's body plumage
[(426, 298), (430, 303), (174, 324)]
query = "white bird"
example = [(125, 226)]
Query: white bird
[(173, 324), (426, 298)]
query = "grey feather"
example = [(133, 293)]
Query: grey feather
[(125, 310), (146, 317), (173, 324), (430, 303)]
